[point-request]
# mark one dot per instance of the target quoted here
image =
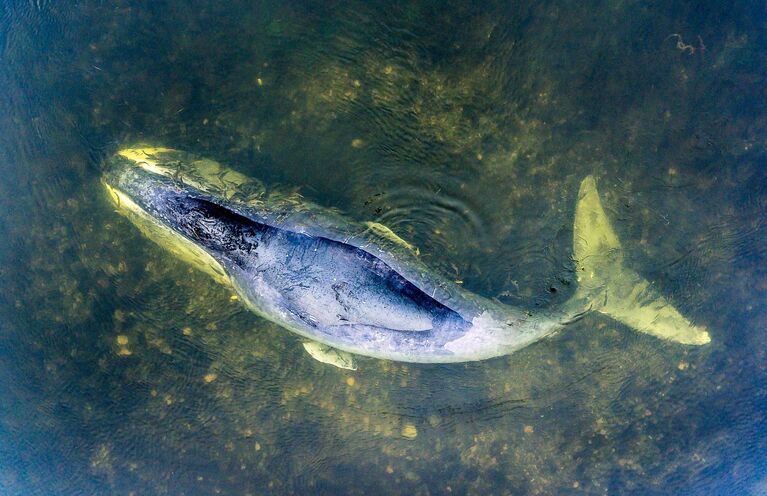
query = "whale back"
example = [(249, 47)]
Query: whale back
[(289, 211)]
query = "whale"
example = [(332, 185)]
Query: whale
[(352, 288)]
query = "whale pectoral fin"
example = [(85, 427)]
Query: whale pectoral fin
[(606, 285), (327, 354), (387, 233)]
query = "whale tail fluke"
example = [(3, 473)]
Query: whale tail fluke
[(606, 285)]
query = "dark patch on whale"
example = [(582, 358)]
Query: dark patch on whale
[(340, 279)]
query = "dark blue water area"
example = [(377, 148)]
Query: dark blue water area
[(466, 130)]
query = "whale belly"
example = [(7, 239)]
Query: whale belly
[(329, 283)]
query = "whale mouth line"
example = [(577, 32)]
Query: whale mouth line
[(242, 242), (201, 223)]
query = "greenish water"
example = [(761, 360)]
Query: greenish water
[(466, 130)]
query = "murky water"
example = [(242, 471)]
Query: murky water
[(466, 130)]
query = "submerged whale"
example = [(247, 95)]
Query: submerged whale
[(357, 288)]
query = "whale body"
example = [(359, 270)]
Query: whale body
[(350, 287)]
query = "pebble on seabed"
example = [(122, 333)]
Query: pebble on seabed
[(208, 378), (409, 431), (122, 342)]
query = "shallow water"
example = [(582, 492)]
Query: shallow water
[(466, 130)]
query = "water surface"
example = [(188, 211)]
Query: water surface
[(466, 130)]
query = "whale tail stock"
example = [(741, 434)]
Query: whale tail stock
[(607, 286)]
